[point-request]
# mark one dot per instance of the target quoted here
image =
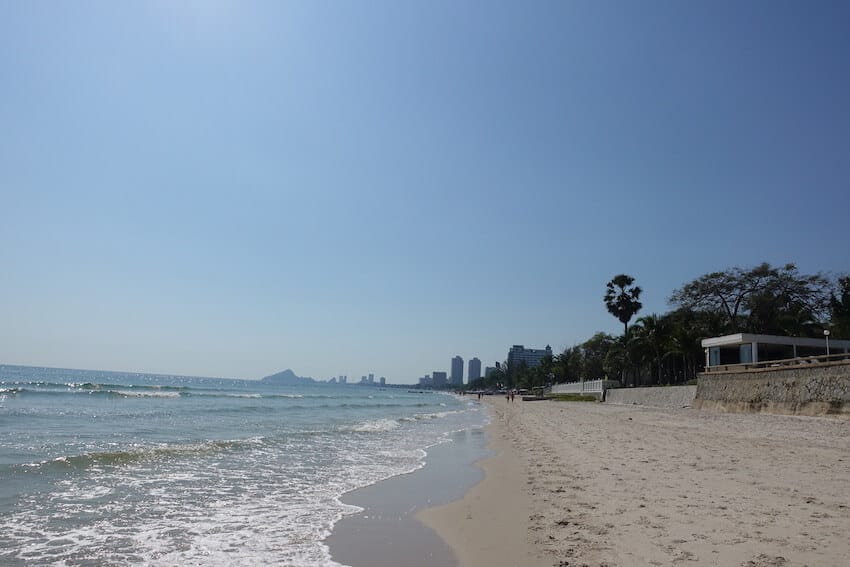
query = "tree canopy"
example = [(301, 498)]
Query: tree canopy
[(621, 299), (762, 299)]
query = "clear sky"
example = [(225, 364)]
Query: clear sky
[(230, 189)]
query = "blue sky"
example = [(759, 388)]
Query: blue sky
[(229, 189)]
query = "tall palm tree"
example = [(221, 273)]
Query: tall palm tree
[(621, 299)]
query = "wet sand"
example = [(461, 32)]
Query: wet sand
[(591, 484), (387, 533), (489, 525)]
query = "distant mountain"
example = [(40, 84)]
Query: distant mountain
[(287, 377)]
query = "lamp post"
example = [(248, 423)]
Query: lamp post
[(826, 334)]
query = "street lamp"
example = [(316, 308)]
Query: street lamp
[(826, 334)]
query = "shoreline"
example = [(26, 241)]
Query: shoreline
[(488, 526), (386, 532)]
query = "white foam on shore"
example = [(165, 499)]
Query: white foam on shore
[(425, 416), (375, 426)]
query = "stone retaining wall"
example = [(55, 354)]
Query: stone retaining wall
[(659, 397), (817, 389)]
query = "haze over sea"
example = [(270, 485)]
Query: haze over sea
[(119, 468)]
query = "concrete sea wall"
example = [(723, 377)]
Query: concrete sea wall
[(660, 397), (816, 389)]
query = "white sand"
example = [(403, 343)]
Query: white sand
[(489, 526), (593, 484)]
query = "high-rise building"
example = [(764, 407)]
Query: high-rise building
[(457, 371), (489, 370), (532, 357), (438, 379), (474, 372), (383, 381)]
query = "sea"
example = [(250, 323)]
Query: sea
[(113, 468)]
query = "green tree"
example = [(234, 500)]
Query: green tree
[(594, 352), (517, 375), (790, 303), (840, 309), (569, 365), (762, 299), (687, 329), (622, 299), (652, 336), (558, 366), (722, 292), (539, 375), (616, 360)]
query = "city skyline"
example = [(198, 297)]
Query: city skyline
[(226, 190)]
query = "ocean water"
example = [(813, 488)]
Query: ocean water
[(109, 468)]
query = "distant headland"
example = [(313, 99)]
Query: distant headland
[(288, 377)]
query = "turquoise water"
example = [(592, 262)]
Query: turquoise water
[(113, 468)]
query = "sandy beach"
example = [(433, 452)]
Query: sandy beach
[(576, 484)]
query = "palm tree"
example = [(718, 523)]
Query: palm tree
[(621, 299), (653, 337), (687, 329)]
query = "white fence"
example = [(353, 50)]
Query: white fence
[(586, 387)]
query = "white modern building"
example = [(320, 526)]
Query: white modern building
[(745, 348)]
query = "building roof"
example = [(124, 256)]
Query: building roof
[(743, 338)]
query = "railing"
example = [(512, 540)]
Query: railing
[(586, 387), (799, 361)]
